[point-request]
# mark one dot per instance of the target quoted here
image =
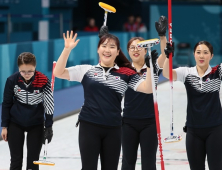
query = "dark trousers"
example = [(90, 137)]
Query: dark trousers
[(16, 141), (202, 142), (135, 132), (95, 140)]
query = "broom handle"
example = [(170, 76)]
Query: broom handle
[(156, 110), (170, 35), (52, 87), (45, 149), (53, 77), (105, 18)]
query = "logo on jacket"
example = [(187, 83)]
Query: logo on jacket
[(36, 91), (95, 74), (17, 89), (208, 80), (117, 78), (144, 74)]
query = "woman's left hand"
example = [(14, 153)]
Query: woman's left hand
[(70, 41), (4, 134)]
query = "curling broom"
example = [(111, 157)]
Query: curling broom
[(44, 161), (107, 9), (148, 44), (172, 137)]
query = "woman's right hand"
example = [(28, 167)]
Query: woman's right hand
[(4, 134), (70, 41)]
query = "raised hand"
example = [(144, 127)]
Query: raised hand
[(69, 40), (161, 26)]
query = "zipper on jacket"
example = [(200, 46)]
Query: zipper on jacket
[(106, 73), (27, 86), (26, 96)]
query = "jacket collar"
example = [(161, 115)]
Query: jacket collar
[(144, 67), (206, 72), (115, 66)]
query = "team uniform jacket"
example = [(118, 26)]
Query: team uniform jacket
[(140, 105), (203, 101), (103, 91), (25, 104)]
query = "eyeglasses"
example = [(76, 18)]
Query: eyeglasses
[(27, 72), (132, 48)]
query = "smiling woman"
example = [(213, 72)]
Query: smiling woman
[(139, 125), (110, 53), (104, 86), (204, 113)]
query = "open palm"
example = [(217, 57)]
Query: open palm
[(70, 41)]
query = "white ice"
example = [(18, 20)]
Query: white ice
[(64, 149)]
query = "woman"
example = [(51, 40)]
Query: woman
[(27, 97), (204, 113), (139, 125), (104, 86)]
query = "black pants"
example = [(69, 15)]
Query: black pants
[(201, 142), (16, 141), (95, 140), (135, 132)]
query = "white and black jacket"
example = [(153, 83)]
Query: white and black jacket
[(203, 96), (26, 104)]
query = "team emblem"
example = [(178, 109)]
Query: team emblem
[(117, 78), (17, 89), (208, 80), (95, 74), (36, 91)]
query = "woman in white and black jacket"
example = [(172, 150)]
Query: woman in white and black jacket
[(139, 125), (204, 112), (27, 98), (104, 86)]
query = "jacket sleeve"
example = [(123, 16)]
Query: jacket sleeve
[(7, 102), (48, 103), (76, 73)]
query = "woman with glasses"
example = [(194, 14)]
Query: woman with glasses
[(204, 112), (27, 106), (139, 125)]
